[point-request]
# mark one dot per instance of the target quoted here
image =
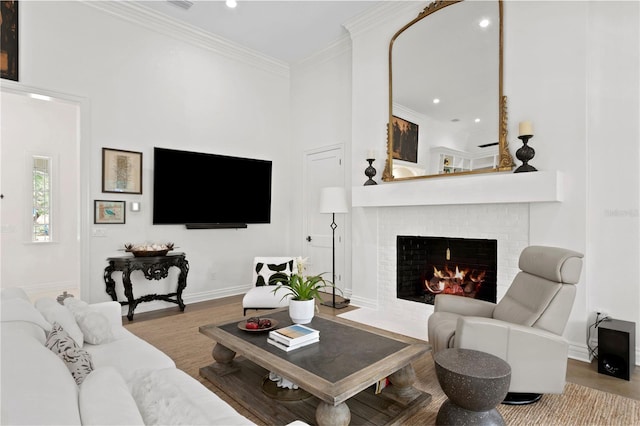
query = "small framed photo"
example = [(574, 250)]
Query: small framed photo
[(405, 140), (107, 211), (121, 171)]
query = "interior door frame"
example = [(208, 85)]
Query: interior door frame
[(346, 231), (84, 176)]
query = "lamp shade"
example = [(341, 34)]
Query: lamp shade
[(333, 200)]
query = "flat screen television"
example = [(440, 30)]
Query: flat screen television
[(204, 190)]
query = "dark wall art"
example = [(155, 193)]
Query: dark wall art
[(405, 140), (9, 40)]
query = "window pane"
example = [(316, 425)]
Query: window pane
[(41, 177)]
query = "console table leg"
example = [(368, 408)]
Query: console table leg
[(333, 415)]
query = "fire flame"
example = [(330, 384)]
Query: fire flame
[(462, 282)]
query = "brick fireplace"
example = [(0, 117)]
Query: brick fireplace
[(427, 266), (507, 224)]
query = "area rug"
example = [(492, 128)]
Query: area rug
[(178, 337)]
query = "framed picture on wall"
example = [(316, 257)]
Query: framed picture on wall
[(9, 40), (121, 171), (108, 211), (405, 140)]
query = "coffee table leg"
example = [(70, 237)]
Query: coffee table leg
[(333, 415), (403, 381), (224, 360)]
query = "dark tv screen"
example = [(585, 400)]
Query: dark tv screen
[(201, 188)]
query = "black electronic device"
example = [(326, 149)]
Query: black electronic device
[(202, 190), (616, 348)]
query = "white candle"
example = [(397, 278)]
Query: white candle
[(526, 128), (371, 154)]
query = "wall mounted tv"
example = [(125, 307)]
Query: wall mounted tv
[(203, 190)]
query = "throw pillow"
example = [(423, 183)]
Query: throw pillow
[(77, 360), (271, 273), (52, 311), (94, 325)]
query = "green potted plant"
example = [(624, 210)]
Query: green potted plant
[(304, 290)]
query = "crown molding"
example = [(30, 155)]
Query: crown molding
[(162, 24), (339, 47), (387, 11)]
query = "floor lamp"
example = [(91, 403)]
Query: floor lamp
[(334, 200)]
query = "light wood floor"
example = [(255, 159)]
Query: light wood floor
[(582, 373)]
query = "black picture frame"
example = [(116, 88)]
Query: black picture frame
[(121, 171), (405, 140), (9, 40), (109, 212)]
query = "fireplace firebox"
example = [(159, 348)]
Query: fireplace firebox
[(427, 266)]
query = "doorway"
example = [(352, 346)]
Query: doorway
[(324, 167), (37, 124)]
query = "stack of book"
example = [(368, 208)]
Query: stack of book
[(293, 337)]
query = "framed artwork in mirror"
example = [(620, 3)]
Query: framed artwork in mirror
[(121, 171), (9, 40), (405, 135), (107, 211)]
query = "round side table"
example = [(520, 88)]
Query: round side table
[(475, 383)]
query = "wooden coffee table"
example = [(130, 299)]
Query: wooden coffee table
[(339, 372)]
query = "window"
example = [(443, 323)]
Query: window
[(41, 185)]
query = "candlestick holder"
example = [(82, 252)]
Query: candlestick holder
[(370, 172), (525, 154)]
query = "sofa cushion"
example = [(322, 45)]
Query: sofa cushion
[(17, 309), (37, 388), (171, 396), (77, 360), (53, 311), (128, 353), (105, 399), (95, 326)]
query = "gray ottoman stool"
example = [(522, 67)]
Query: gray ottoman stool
[(475, 383)]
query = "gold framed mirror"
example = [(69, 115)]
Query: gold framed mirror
[(447, 112)]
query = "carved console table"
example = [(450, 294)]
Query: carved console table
[(153, 268)]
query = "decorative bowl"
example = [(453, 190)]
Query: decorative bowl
[(148, 253), (148, 250)]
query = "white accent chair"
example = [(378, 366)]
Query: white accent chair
[(265, 269), (524, 328)]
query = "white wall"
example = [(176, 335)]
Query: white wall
[(571, 68), (150, 89)]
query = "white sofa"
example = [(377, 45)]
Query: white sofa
[(130, 382)]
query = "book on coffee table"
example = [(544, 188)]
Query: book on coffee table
[(288, 348), (294, 334)]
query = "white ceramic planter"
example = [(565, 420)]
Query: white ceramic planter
[(302, 311)]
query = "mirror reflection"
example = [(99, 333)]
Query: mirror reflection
[(446, 110)]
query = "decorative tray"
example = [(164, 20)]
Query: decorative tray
[(242, 325)]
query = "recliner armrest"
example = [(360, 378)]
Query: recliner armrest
[(538, 358), (463, 305)]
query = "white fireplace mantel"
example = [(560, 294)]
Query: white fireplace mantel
[(489, 188)]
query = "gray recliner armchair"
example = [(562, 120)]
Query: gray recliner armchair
[(524, 328)]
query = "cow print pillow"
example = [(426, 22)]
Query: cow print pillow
[(270, 273)]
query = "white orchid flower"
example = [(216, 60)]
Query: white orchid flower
[(301, 264)]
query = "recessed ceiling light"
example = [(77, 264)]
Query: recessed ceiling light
[(436, 101), (477, 120), (231, 3), (484, 23)]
